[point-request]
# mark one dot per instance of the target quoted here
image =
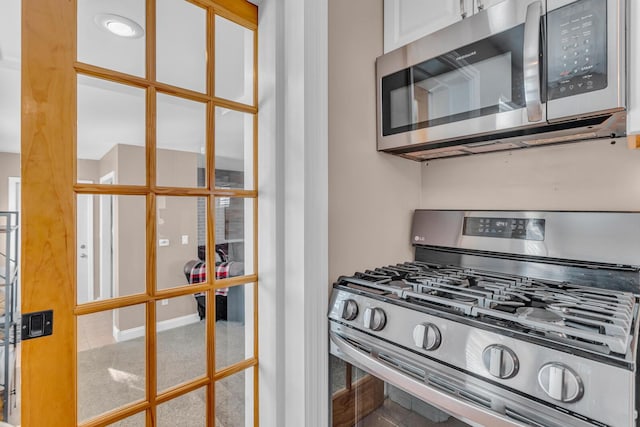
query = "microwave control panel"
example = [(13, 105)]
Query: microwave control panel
[(577, 48)]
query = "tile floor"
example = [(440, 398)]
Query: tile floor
[(391, 414)]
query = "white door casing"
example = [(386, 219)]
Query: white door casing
[(106, 240), (14, 193), (84, 250)]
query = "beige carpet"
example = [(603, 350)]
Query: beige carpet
[(114, 375)]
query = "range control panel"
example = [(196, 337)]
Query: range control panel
[(506, 228), (577, 48)]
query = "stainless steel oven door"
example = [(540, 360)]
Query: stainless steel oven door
[(446, 393), (360, 398), (585, 58), (476, 77)]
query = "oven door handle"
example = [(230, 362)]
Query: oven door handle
[(465, 411), (531, 65)]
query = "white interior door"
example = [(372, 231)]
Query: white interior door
[(85, 247)]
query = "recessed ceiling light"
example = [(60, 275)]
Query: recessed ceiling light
[(119, 25)]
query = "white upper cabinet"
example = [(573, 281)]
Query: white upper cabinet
[(480, 5), (408, 20)]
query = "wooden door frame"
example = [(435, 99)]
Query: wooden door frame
[(48, 208), (48, 234)]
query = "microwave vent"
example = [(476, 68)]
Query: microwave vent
[(498, 146), (568, 138)]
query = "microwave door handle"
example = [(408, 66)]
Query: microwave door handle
[(531, 66)]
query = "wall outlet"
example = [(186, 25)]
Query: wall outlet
[(185, 239), (164, 302), (163, 242)]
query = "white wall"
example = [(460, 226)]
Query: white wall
[(594, 175)]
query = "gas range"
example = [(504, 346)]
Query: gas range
[(503, 318)]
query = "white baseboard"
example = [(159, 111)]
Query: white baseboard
[(164, 325)]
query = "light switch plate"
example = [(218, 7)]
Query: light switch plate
[(185, 239)]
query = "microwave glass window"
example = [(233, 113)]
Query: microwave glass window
[(466, 89), (577, 48), (402, 107), (479, 79)]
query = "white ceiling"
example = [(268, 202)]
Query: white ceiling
[(109, 113)]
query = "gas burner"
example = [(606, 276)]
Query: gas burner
[(539, 315), (557, 309)]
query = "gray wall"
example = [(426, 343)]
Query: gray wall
[(594, 175), (177, 217), (371, 194)]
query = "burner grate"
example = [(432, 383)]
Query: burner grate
[(586, 317)]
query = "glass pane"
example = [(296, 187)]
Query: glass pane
[(234, 400), (138, 420), (339, 371), (234, 149), (181, 142), (111, 34), (111, 360), (111, 246), (181, 240), (111, 132), (234, 234), (181, 44), (10, 121), (234, 324), (181, 340), (234, 61), (184, 411), (10, 81)]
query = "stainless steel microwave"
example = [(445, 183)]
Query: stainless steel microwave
[(521, 73)]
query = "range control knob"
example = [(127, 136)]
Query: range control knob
[(349, 310), (560, 382), (500, 361), (427, 336), (374, 319)]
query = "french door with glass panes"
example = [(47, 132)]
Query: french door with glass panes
[(139, 197)]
